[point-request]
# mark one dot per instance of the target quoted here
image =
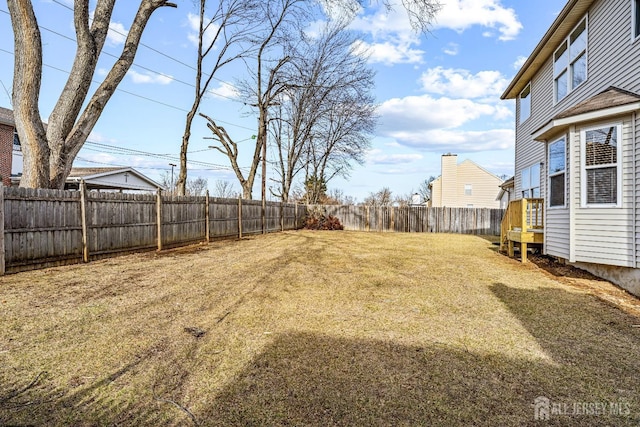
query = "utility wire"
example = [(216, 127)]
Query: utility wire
[(139, 96), (7, 92), (142, 67)]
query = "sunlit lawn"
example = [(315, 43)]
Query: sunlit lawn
[(314, 328)]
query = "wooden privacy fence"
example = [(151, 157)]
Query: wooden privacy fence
[(41, 228), (417, 219)]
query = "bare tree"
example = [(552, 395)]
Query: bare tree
[(197, 186), (224, 189), (403, 200), (382, 197), (343, 135), (228, 29), (421, 12), (322, 70), (49, 154), (424, 189), (264, 85)]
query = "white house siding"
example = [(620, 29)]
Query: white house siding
[(436, 192), (484, 186), (612, 61), (636, 119), (612, 54), (557, 222), (605, 235), (528, 151)]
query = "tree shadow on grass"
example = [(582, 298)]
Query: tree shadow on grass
[(312, 379), (305, 378)]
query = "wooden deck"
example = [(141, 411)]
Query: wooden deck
[(522, 225)]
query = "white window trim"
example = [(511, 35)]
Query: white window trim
[(539, 187), (470, 189), (520, 121), (566, 41), (634, 36), (583, 168), (549, 175)]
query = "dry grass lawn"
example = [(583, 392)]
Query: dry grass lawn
[(316, 328)]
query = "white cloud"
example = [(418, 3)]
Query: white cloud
[(140, 78), (519, 62), (433, 124), (378, 157), (389, 53), (460, 15), (117, 34), (425, 112), (193, 22), (391, 39), (461, 83), (224, 90), (451, 49), (443, 140)]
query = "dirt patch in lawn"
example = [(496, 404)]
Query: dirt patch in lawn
[(588, 282), (314, 328)]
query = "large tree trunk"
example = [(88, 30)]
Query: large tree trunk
[(26, 90), (48, 158)]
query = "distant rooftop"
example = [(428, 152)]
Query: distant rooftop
[(6, 116)]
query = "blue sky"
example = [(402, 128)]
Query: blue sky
[(438, 93)]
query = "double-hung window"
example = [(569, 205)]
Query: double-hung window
[(557, 166), (570, 62), (525, 103), (601, 165), (530, 181)]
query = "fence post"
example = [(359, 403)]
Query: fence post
[(159, 217), (367, 225), (83, 214), (281, 215), (2, 251), (239, 217), (206, 215)]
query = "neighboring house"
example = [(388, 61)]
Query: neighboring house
[(464, 185), (111, 179), (8, 138), (506, 193), (578, 136), (102, 179)]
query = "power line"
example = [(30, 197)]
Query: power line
[(137, 95), (159, 73)]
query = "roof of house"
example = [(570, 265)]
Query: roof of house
[(610, 97), (493, 175), (84, 172), (567, 19), (509, 183), (112, 178), (6, 116), (611, 102)]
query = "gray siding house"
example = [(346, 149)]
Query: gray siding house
[(578, 137)]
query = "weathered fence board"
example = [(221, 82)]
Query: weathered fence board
[(417, 219), (44, 228)]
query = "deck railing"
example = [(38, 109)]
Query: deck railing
[(522, 215)]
